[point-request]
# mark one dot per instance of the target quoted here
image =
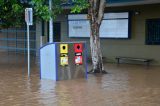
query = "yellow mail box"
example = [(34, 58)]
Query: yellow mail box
[(64, 61), (63, 48)]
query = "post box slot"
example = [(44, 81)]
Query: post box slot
[(78, 48), (63, 48)]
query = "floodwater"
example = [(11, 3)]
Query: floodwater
[(125, 85)]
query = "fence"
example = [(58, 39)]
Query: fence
[(14, 41)]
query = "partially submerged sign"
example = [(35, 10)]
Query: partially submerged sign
[(29, 16)]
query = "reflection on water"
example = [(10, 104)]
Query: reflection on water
[(125, 85)]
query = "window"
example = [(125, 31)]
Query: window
[(153, 31), (114, 25)]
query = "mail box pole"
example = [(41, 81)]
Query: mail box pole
[(29, 21)]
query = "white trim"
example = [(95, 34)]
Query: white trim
[(133, 3)]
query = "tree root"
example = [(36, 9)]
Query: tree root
[(94, 71)]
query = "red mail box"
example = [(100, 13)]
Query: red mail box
[(78, 48), (78, 60)]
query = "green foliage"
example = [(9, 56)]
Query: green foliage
[(56, 8), (41, 10), (12, 11), (79, 5)]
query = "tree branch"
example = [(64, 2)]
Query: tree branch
[(102, 5)]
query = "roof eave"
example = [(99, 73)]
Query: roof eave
[(132, 3)]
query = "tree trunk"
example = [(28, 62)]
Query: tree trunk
[(95, 13), (96, 50)]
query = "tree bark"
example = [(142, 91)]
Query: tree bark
[(96, 12), (96, 50)]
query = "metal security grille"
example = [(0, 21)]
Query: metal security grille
[(15, 39), (13, 46), (153, 31)]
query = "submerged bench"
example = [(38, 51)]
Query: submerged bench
[(146, 61)]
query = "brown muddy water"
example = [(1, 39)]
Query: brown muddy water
[(125, 85)]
